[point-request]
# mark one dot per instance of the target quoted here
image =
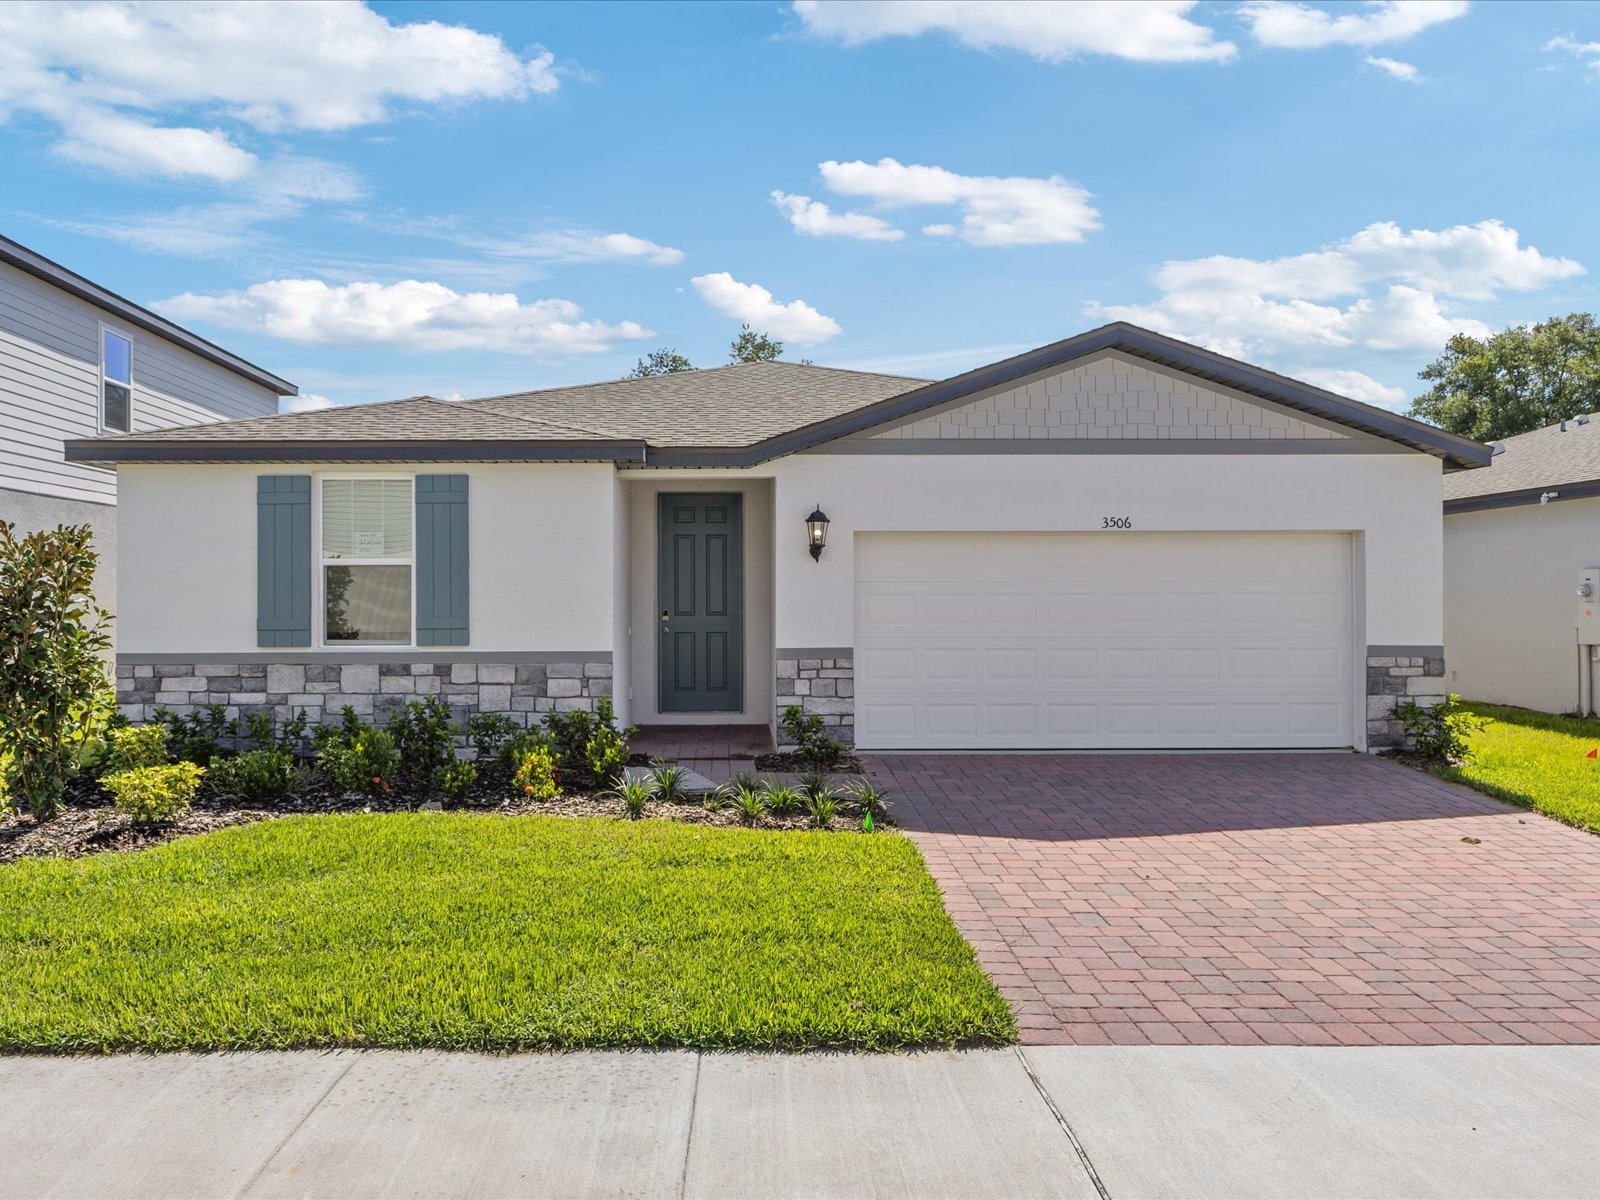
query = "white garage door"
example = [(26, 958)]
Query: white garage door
[(1149, 640)]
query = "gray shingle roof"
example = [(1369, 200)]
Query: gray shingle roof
[(726, 406), (1545, 458), (415, 419)]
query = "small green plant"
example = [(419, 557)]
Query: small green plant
[(536, 775), (149, 795), (576, 732), (635, 794), (456, 780), (671, 782), (135, 746), (744, 779), (822, 807), (198, 737), (606, 754), (782, 800), (814, 783), (749, 803), (872, 800), (1439, 733), (258, 777), (424, 738), (362, 760), (266, 734), (811, 741), (714, 800), (489, 733)]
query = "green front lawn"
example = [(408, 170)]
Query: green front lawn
[(1537, 760), (489, 933)]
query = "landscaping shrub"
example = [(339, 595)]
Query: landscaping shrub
[(872, 800), (811, 741), (1439, 733), (605, 754), (571, 733), (456, 780), (635, 794), (359, 758), (520, 743), (813, 783), (198, 737), (489, 733), (590, 743), (149, 795), (781, 799), (749, 804), (134, 746), (671, 782), (257, 777), (536, 775), (266, 734), (424, 737), (55, 695), (821, 807)]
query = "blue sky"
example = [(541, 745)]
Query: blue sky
[(385, 200)]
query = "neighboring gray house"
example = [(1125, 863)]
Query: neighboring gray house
[(79, 361), (1520, 538)]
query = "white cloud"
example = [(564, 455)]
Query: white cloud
[(140, 87), (1355, 385), (580, 246), (815, 218), (1588, 50), (795, 321), (1051, 30), (1302, 27), (1011, 211), (1381, 289), (411, 315), (304, 402), (1403, 71)]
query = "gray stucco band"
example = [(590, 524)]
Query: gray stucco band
[(817, 652), (336, 657), (1407, 651), (522, 691)]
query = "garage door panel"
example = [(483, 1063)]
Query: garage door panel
[(1116, 641)]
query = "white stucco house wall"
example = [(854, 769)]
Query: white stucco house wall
[(1117, 540), (1519, 536), (77, 360)]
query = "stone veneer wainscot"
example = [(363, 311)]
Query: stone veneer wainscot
[(824, 687), (1392, 679), (522, 691)]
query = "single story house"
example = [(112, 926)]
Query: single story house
[(1117, 540), (1521, 539)]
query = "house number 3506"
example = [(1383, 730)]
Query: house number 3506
[(1116, 522)]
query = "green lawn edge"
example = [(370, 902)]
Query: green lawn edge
[(1534, 760), (487, 933)]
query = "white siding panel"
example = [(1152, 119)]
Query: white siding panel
[(49, 388)]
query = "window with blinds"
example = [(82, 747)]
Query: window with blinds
[(367, 560)]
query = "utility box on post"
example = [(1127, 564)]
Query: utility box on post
[(1588, 612)]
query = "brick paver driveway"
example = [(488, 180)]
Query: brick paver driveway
[(1283, 898)]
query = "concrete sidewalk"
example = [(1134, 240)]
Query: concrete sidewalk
[(1080, 1122)]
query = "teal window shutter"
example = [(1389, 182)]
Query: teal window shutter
[(442, 567), (283, 560)]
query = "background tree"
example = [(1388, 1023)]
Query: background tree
[(664, 361), (1523, 378), (753, 347), (55, 695)]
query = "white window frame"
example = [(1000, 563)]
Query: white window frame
[(103, 379), (319, 585)]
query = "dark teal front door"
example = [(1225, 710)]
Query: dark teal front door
[(701, 602)]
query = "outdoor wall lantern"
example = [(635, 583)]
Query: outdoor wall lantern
[(817, 531)]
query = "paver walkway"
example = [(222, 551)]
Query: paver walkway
[(1313, 899)]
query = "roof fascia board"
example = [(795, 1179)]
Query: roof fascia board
[(30, 263), (117, 450), (1563, 491)]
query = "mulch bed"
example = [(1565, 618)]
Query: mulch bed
[(846, 764), (88, 825)]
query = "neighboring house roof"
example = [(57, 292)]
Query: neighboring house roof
[(40, 267), (1564, 460), (734, 416)]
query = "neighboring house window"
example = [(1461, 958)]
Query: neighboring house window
[(367, 560), (116, 382)]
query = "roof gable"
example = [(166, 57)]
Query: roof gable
[(1564, 457)]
